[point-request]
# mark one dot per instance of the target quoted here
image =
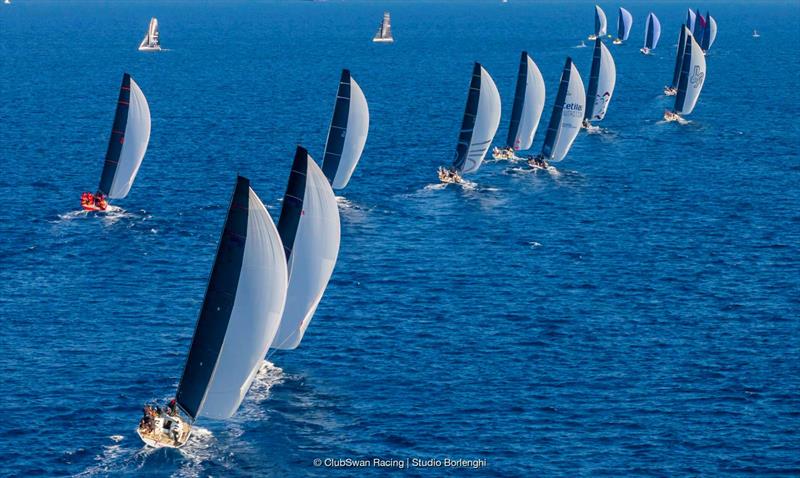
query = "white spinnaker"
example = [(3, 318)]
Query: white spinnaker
[(256, 314), (606, 80), (601, 15), (696, 77), (137, 136), (486, 122), (571, 116), (627, 22), (316, 248), (531, 108), (712, 26), (357, 129)]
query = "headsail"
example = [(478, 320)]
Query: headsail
[(624, 24), (130, 135), (481, 118), (600, 22), (309, 229), (709, 33), (692, 77), (652, 32), (347, 133), (602, 79), (565, 122), (528, 104), (241, 310), (676, 72)]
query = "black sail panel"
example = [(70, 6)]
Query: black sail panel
[(292, 207), (683, 81), (558, 108), (594, 77), (117, 138), (468, 123), (212, 324), (519, 100), (338, 130), (679, 57), (648, 43)]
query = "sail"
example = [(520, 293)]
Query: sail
[(652, 31), (481, 118), (385, 28), (699, 26), (600, 23), (676, 72), (241, 310), (565, 122), (693, 75), (309, 229), (130, 135), (528, 104), (152, 32), (602, 79), (347, 133), (709, 33), (624, 24), (690, 20)]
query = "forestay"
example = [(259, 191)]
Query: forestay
[(692, 78), (565, 122), (309, 229), (241, 310), (130, 135), (481, 118), (602, 79), (347, 133), (528, 104)]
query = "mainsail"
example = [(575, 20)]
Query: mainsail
[(347, 133), (600, 23), (241, 310), (130, 135), (309, 229), (528, 104), (652, 32), (692, 77), (602, 79), (384, 33), (624, 23), (151, 37), (481, 118), (709, 33), (565, 122), (676, 72)]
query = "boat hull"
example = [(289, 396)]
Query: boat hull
[(159, 437), (383, 40), (150, 48)]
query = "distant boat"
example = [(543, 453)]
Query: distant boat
[(7, 2), (690, 20), (582, 45), (347, 133), (672, 89), (310, 232), (690, 82), (481, 118), (529, 99), (130, 135), (384, 34), (756, 34), (150, 42), (241, 311), (709, 33), (602, 79), (566, 119), (624, 24), (600, 23), (652, 32)]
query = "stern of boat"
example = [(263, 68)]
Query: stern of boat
[(163, 433)]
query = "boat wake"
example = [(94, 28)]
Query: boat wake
[(551, 170), (111, 215), (268, 376)]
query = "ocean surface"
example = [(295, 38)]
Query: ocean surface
[(637, 314)]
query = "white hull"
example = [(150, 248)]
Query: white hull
[(617, 42), (645, 51), (449, 177), (670, 91), (160, 437), (150, 48), (592, 37), (383, 40)]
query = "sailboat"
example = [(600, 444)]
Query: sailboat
[(481, 118), (602, 79), (241, 310), (690, 19), (347, 133), (690, 82), (624, 24), (565, 121), (672, 89), (756, 34), (130, 135), (150, 42), (600, 23), (310, 231), (652, 32), (709, 33), (7, 2), (528, 105), (699, 25), (384, 34)]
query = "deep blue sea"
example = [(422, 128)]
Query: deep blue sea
[(636, 315)]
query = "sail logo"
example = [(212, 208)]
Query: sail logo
[(697, 77)]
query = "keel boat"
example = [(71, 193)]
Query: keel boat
[(652, 32), (529, 99), (672, 88), (150, 42), (602, 79), (600, 23), (347, 133), (690, 81), (384, 34), (624, 24), (709, 33)]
